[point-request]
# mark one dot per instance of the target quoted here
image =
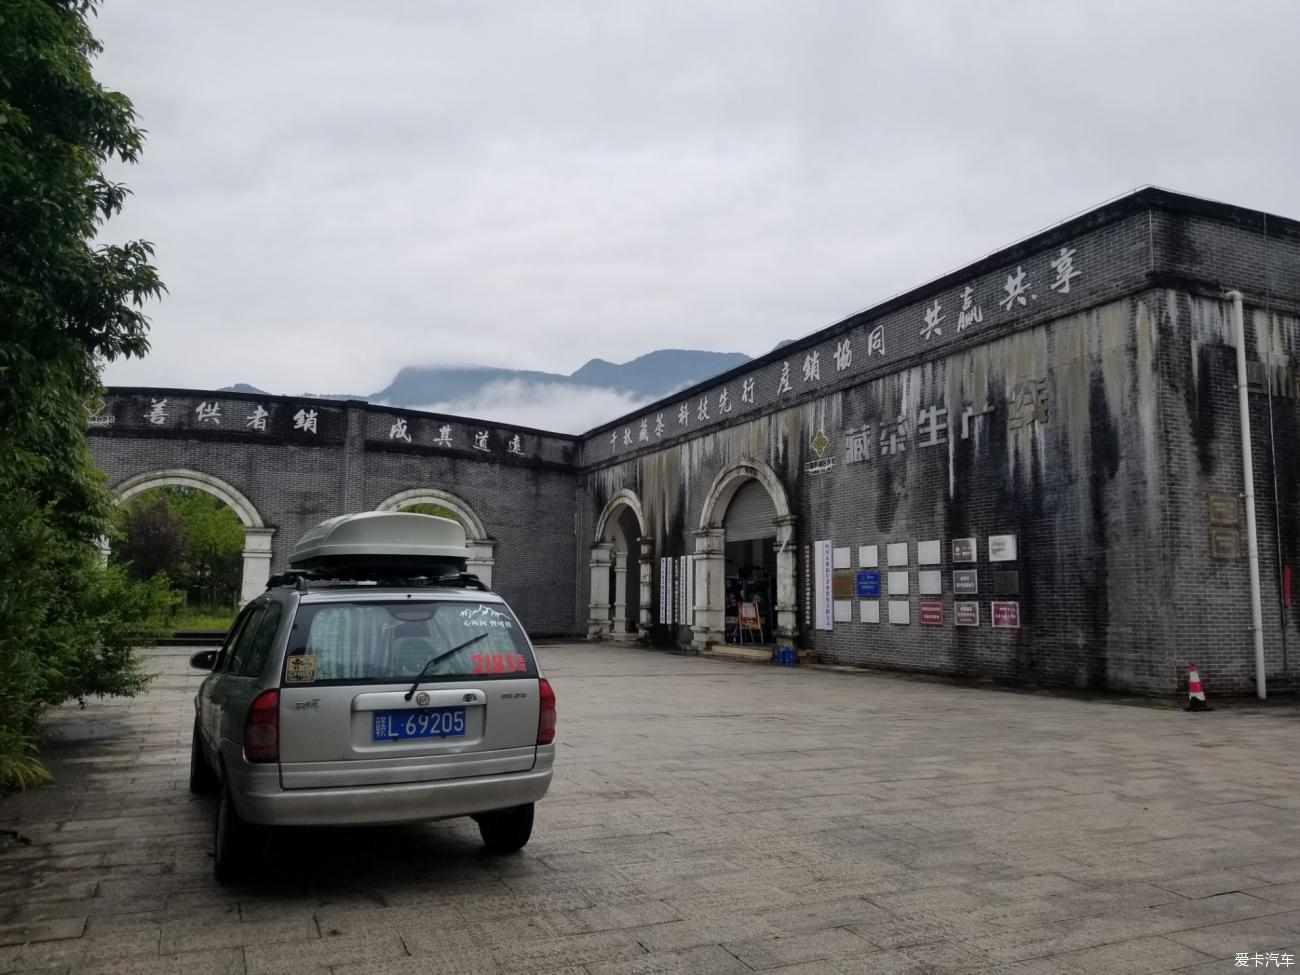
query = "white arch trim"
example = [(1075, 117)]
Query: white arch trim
[(183, 477), (474, 527), (257, 536), (621, 499), (729, 481)]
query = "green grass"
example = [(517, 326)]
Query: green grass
[(203, 619)]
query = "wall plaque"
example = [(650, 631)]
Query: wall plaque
[(1006, 616), (963, 550), (966, 613), (898, 583), (1225, 543), (931, 612), (900, 611), (927, 553), (1002, 548), (1223, 509), (965, 582), (929, 582), (867, 584), (869, 611), (897, 553), (1006, 583), (842, 583)]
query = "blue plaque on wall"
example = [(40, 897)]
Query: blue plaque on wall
[(867, 585)]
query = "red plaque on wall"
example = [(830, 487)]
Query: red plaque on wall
[(931, 613), (1006, 616)]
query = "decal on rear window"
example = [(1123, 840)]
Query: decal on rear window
[(300, 669), (485, 616), (498, 663)]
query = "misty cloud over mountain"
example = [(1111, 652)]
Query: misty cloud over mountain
[(596, 392)]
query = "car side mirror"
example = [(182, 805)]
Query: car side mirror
[(204, 659)]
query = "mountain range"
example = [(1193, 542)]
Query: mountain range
[(646, 377)]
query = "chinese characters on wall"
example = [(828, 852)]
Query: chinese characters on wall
[(939, 318)]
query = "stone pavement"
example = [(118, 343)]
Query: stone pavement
[(706, 816)]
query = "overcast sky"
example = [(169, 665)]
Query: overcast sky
[(339, 189)]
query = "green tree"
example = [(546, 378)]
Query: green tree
[(152, 538), (68, 624), (429, 508)]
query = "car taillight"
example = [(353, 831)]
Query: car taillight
[(546, 717), (262, 729)]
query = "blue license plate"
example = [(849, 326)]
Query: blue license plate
[(423, 723)]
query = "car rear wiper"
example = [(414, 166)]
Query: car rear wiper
[(438, 659)]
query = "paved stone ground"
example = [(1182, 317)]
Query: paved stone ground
[(706, 817)]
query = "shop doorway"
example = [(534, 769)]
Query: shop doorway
[(745, 547), (749, 527)]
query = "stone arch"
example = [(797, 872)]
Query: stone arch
[(257, 536), (481, 546), (620, 543), (710, 553)]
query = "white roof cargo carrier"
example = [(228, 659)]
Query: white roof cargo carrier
[(382, 544)]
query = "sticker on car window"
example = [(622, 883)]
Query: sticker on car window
[(498, 663), (300, 669), (486, 617)]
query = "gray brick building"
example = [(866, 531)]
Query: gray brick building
[(1029, 469)]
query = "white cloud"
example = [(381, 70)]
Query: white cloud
[(544, 406)]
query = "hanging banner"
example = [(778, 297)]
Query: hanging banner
[(825, 600), (672, 590), (684, 587), (663, 591)]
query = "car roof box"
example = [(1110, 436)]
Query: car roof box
[(376, 544)]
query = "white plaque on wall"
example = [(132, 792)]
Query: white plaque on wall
[(898, 553), (927, 553), (841, 558), (844, 611), (868, 556), (1002, 548), (898, 583), (869, 610), (929, 582), (900, 611)]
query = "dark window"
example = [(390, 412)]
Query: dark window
[(255, 657), (232, 636), (244, 641)]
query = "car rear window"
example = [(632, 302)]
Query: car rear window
[(384, 642)]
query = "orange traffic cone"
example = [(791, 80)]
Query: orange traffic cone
[(1195, 693)]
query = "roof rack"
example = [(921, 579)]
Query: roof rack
[(305, 579)]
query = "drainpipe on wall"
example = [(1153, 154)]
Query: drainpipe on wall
[(1248, 473)]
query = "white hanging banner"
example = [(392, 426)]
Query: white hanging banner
[(672, 590), (823, 556), (663, 591), (684, 587)]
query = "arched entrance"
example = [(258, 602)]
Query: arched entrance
[(749, 498), (482, 547), (257, 536), (617, 610)]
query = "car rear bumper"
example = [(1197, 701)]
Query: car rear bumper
[(259, 798)]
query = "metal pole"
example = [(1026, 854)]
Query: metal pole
[(1248, 473)]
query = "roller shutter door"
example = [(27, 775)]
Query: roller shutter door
[(750, 514)]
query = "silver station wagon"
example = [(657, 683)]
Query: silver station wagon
[(373, 683)]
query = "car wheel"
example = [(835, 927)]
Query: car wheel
[(203, 782), (507, 830), (232, 844)]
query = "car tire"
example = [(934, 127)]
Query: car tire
[(232, 842), (508, 830), (203, 781)]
